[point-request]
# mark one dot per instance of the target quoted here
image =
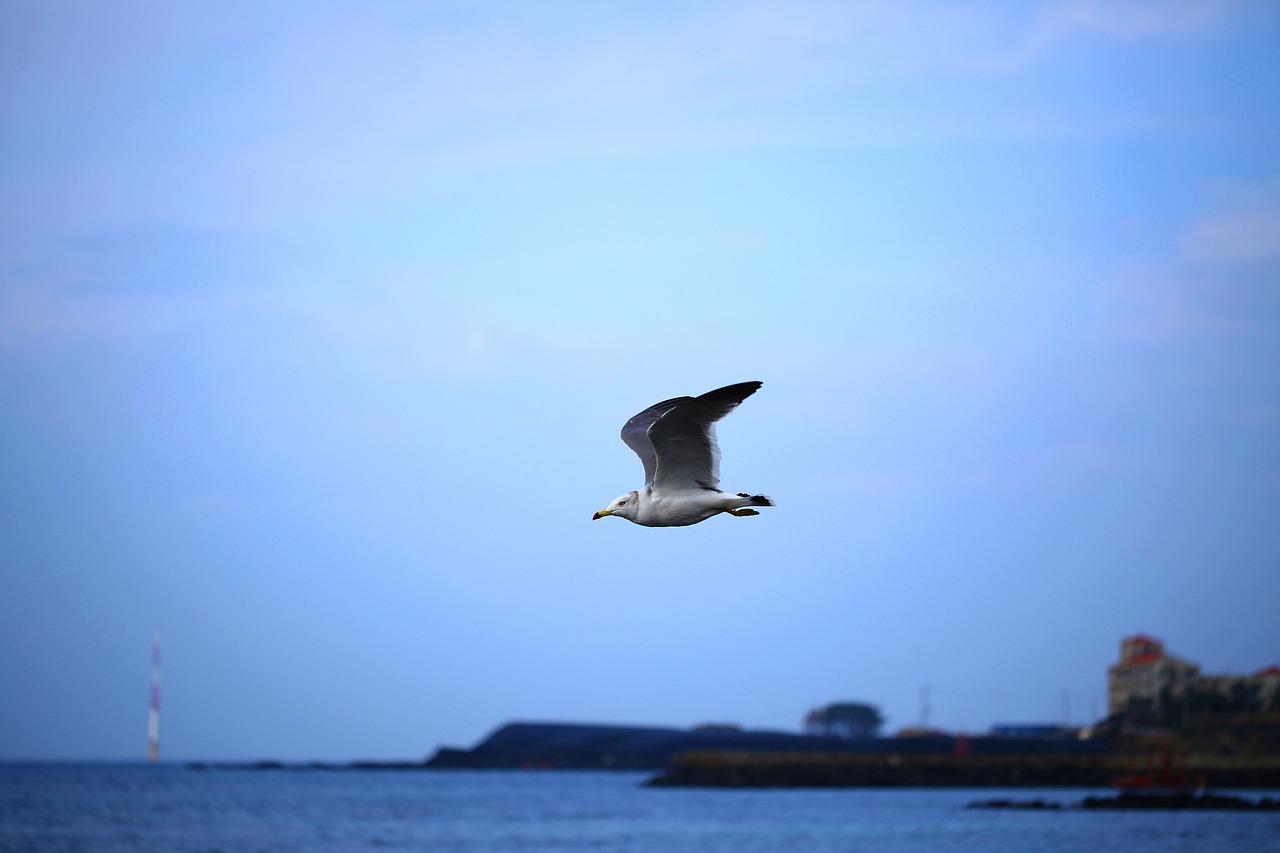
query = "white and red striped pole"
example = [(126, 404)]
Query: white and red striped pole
[(153, 723)]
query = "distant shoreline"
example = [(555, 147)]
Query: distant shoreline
[(724, 757)]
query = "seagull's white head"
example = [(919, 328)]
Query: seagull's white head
[(624, 507)]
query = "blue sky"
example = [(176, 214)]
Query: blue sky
[(318, 323)]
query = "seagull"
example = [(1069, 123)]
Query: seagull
[(676, 442)]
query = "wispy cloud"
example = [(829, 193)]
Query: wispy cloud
[(1246, 227), (196, 122), (1149, 303), (1239, 237), (1175, 297), (1129, 20), (885, 40)]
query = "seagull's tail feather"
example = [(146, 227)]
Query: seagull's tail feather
[(757, 500)]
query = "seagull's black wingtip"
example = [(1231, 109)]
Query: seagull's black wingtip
[(739, 391)]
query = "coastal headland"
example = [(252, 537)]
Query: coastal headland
[(727, 757)]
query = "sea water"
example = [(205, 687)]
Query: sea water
[(124, 807)]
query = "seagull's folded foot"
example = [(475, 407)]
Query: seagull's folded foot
[(741, 512)]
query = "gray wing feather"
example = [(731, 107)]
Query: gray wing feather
[(682, 438), (635, 432)]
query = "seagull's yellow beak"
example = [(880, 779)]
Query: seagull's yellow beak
[(601, 514)]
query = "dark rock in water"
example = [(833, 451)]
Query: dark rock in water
[(386, 765), (1131, 800), (1180, 802), (1034, 805)]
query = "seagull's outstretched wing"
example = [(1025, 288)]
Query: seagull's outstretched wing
[(635, 433), (683, 438)]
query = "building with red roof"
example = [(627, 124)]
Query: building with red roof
[(1145, 671), (1147, 676)]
